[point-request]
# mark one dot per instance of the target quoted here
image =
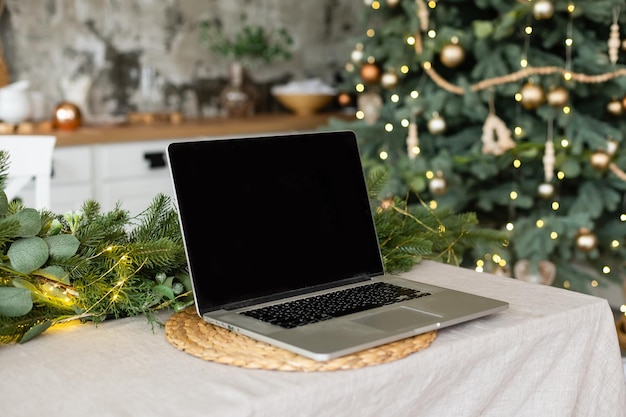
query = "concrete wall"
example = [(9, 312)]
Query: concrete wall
[(65, 46)]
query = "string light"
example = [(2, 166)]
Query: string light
[(540, 224), (510, 227), (517, 163), (388, 128), (513, 195), (383, 155), (555, 205)]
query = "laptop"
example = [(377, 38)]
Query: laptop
[(275, 228)]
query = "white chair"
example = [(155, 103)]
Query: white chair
[(30, 159)]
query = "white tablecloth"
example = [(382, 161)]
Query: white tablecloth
[(552, 353)]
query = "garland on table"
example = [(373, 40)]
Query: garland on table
[(91, 266)]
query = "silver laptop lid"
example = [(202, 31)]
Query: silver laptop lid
[(269, 216)]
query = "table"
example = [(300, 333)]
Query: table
[(552, 353)]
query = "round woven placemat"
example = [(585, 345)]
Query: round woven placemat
[(191, 334)]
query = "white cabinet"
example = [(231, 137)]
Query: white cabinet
[(72, 178), (131, 174)]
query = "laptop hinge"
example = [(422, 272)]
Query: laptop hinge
[(293, 293)]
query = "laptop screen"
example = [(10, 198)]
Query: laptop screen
[(268, 215)]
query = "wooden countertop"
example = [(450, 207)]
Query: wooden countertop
[(262, 123)]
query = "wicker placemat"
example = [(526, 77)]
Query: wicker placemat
[(189, 333)]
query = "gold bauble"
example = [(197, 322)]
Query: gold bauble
[(452, 55), (370, 73), (67, 116), (586, 240), (533, 96), (557, 97), (438, 185), (600, 160), (545, 190), (389, 80), (436, 125), (614, 107), (543, 9)]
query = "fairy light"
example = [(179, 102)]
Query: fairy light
[(360, 87), (517, 163), (360, 115), (594, 283), (496, 258), (395, 98), (404, 69), (513, 195), (383, 155), (606, 269), (371, 60), (554, 235), (404, 122), (615, 243), (566, 284), (518, 131), (555, 205), (560, 175), (430, 175), (410, 40), (432, 4), (370, 33), (622, 217), (388, 128), (510, 227), (564, 142), (567, 109), (375, 5), (432, 34), (540, 223), (432, 204), (414, 94)]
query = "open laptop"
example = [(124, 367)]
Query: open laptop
[(287, 218)]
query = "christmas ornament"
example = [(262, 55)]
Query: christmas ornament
[(611, 147), (436, 125), (600, 160), (545, 190), (544, 272), (412, 141), (370, 73), (543, 9), (557, 97), (548, 160), (494, 128), (614, 41), (452, 55), (357, 55), (370, 104), (586, 240), (438, 185), (392, 3), (614, 107), (389, 80), (344, 99), (533, 96), (67, 116)]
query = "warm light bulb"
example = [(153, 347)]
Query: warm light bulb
[(383, 155), (615, 243), (528, 30), (370, 33), (554, 235), (415, 94), (594, 283), (510, 226), (540, 223), (430, 175), (555, 205), (394, 98), (517, 163), (513, 195), (388, 128), (432, 34), (410, 40), (569, 42), (606, 269), (404, 122), (404, 69), (360, 115), (564, 143), (560, 175), (359, 88)]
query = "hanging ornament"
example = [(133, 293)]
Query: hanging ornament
[(412, 141), (370, 104), (586, 240), (389, 80), (437, 124), (548, 160), (494, 128), (543, 9), (545, 190), (356, 56), (557, 97), (452, 54), (533, 96), (344, 99), (614, 41), (392, 3), (370, 73), (600, 160), (614, 107), (544, 272), (438, 185), (612, 146)]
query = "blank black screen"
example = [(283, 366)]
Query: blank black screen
[(273, 214)]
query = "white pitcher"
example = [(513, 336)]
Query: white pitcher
[(15, 104)]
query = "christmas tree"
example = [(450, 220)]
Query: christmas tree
[(513, 110)]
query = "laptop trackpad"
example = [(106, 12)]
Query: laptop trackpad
[(398, 319)]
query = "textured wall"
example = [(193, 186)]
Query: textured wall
[(105, 45)]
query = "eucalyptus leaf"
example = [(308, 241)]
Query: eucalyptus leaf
[(163, 291), (54, 273), (30, 222), (15, 302), (62, 246), (35, 331), (28, 254)]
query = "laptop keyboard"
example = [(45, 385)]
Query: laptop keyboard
[(335, 304)]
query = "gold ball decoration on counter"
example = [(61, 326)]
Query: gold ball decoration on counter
[(370, 73), (533, 96), (543, 9), (600, 160), (67, 116), (452, 54), (586, 240), (557, 97)]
